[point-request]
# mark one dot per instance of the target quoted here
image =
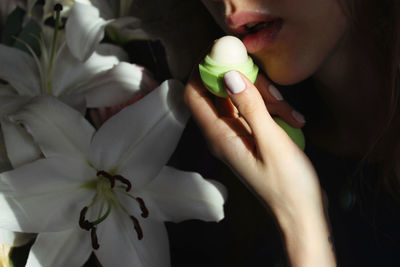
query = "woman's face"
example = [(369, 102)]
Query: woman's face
[(289, 39)]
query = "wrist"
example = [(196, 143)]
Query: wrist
[(307, 237)]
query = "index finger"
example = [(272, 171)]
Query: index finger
[(198, 100)]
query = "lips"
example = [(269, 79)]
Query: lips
[(258, 31)]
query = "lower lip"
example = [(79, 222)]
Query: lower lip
[(263, 38)]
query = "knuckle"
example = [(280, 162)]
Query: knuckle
[(247, 108)]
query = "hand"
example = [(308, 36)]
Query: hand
[(241, 132)]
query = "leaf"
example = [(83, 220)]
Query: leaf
[(13, 26), (29, 36)]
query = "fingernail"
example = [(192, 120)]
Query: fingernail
[(298, 116), (275, 93), (234, 82)]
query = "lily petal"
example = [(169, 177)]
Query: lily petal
[(126, 29), (108, 9), (5, 164), (44, 195), (84, 30), (75, 101), (7, 90), (29, 6), (116, 85), (20, 70), (56, 128), (106, 49), (119, 243), (70, 72), (123, 22), (11, 103), (14, 239), (18, 143), (62, 249), (138, 141), (177, 195), (20, 147)]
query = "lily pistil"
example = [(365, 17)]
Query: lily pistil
[(107, 186)]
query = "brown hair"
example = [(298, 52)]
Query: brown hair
[(378, 23)]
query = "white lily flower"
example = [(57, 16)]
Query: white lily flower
[(73, 81), (87, 22), (57, 72), (7, 237), (107, 191)]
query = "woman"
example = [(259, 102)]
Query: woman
[(344, 56)]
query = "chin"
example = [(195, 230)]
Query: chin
[(283, 73)]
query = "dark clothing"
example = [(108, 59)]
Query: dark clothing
[(365, 220)]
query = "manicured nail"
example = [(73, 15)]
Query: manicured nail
[(234, 82), (298, 116), (275, 93)]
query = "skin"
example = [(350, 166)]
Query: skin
[(338, 62), (300, 47), (345, 81)]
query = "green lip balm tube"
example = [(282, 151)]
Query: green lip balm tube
[(229, 53)]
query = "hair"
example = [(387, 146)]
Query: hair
[(378, 23)]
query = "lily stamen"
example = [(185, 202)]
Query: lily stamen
[(124, 181), (137, 226), (103, 217), (106, 191), (93, 235), (143, 208), (142, 204), (108, 176), (57, 8), (83, 223)]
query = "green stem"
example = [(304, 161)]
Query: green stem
[(102, 218), (124, 7), (53, 52), (101, 208)]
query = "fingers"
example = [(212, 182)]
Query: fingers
[(214, 117), (275, 103), (245, 113), (200, 105), (251, 106)]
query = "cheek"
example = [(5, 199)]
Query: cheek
[(288, 65), (301, 51)]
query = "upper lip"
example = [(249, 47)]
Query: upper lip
[(237, 22)]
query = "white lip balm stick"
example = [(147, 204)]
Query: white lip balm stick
[(228, 53)]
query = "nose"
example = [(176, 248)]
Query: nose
[(221, 10), (228, 5)]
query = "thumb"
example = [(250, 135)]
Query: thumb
[(250, 104)]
